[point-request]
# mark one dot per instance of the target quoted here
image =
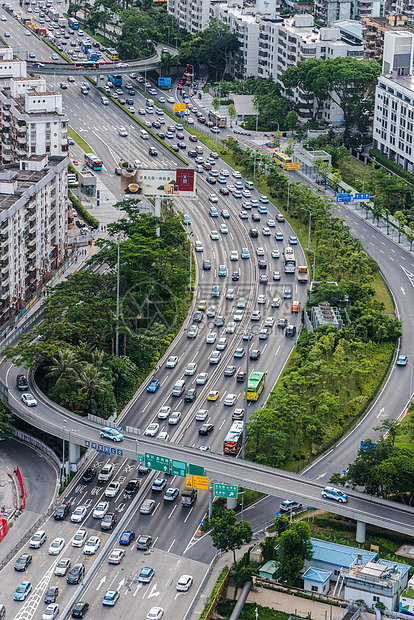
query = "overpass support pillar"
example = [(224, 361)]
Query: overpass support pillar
[(74, 453), (360, 531), (231, 503)]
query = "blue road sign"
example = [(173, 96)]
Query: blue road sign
[(343, 198), (99, 447), (276, 513), (311, 508), (362, 196), (164, 81)]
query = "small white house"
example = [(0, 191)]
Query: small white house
[(316, 580)]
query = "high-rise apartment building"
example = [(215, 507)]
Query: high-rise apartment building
[(192, 15), (394, 100)]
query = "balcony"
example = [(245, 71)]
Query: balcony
[(21, 139), (4, 292), (4, 239)]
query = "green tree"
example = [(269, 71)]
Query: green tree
[(400, 217), (64, 365), (6, 423), (91, 381), (268, 547), (294, 548), (389, 427), (228, 534), (232, 111)]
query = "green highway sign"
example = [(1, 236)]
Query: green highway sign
[(225, 490), (159, 463), (178, 468), (140, 458), (195, 470)]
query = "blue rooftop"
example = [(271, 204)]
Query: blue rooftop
[(339, 555), (317, 574)]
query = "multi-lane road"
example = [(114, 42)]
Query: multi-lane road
[(176, 550)]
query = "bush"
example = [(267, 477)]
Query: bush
[(396, 168)]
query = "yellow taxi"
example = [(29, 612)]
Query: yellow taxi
[(202, 305), (213, 395)]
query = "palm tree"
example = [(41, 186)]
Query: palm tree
[(64, 365), (91, 380)]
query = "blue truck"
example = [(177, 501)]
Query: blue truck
[(115, 79)]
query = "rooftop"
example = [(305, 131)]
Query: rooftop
[(318, 575), (406, 81), (339, 555)]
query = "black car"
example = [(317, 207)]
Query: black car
[(219, 321), (118, 171), (161, 135), (80, 609), (290, 330), (254, 354), (190, 395), (206, 265), (89, 474), (76, 574), (192, 154), (22, 383), (263, 279), (224, 191), (205, 429), (23, 562), (262, 264), (144, 542), (62, 511), (180, 136), (96, 44), (108, 521), (152, 151), (230, 370), (131, 488), (253, 232), (211, 180), (197, 317), (51, 595), (235, 276), (240, 377), (256, 217)]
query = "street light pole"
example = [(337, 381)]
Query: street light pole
[(310, 223), (314, 264), (63, 454), (411, 381), (287, 206), (117, 305)]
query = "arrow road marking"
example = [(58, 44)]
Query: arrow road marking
[(321, 476), (153, 591), (101, 582), (381, 411), (403, 291)]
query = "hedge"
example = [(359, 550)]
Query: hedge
[(210, 606), (76, 203), (396, 168)]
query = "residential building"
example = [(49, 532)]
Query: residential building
[(329, 11), (192, 15), (406, 605), (373, 30), (33, 227), (375, 582), (32, 120), (394, 100)]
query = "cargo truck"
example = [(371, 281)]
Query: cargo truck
[(188, 496), (303, 273)]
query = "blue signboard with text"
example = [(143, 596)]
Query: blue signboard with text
[(102, 448), (343, 198), (362, 196), (164, 82)]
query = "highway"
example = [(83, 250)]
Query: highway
[(172, 526)]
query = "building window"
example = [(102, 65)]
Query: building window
[(403, 110), (376, 599), (314, 588), (392, 128), (336, 572), (394, 105), (390, 90), (408, 150), (399, 95)]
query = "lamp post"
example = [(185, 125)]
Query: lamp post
[(117, 304), (254, 166), (363, 184), (129, 144), (314, 264), (63, 455), (310, 223), (287, 205), (176, 44)]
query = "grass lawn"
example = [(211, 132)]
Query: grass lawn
[(382, 294), (82, 143), (352, 169)]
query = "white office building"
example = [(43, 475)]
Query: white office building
[(394, 100), (192, 15)]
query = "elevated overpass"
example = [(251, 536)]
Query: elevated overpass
[(59, 68)]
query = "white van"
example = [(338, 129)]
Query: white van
[(178, 388), (104, 101), (144, 134), (249, 185), (149, 103)]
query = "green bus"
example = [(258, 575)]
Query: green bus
[(255, 385)]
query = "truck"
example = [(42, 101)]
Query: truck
[(303, 273), (93, 56), (86, 45), (188, 496)]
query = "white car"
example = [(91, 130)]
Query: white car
[(241, 303), (201, 415), (214, 236), (224, 172), (50, 612), (246, 193), (230, 399), (152, 429), (271, 223), (164, 412), (56, 546), (260, 251), (230, 327), (237, 174), (155, 613), (211, 338), (264, 199), (224, 230), (270, 321), (213, 198), (234, 255), (266, 231), (112, 489), (164, 436), (174, 418), (202, 378), (261, 299), (238, 315), (100, 510), (230, 293), (184, 583), (276, 275), (78, 514), (170, 99), (191, 369), (275, 302), (171, 361), (79, 539), (29, 400), (92, 545), (122, 132)]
